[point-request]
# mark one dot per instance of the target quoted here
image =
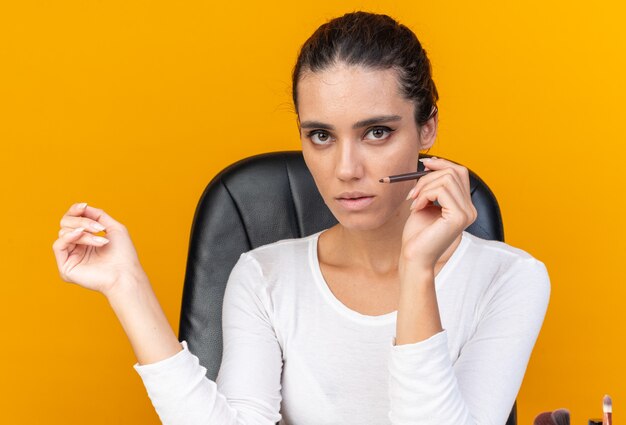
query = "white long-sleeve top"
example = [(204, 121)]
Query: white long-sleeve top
[(294, 354)]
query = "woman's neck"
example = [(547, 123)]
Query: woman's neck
[(377, 250)]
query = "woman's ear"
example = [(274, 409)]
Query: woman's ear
[(428, 131)]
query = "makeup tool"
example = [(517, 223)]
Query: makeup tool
[(561, 417), (544, 418), (607, 409), (403, 177), (558, 417)]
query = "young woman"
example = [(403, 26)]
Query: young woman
[(394, 315)]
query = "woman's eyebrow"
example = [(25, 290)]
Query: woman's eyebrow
[(358, 124), (376, 120), (316, 124)]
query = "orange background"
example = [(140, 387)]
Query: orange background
[(135, 106)]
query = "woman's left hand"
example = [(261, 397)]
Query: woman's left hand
[(431, 229)]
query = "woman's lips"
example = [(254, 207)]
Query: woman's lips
[(355, 204)]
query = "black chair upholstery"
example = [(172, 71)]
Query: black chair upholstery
[(256, 201)]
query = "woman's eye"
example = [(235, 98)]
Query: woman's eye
[(319, 137), (378, 133)]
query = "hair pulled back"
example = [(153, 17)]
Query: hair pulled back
[(374, 41)]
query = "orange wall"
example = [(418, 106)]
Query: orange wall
[(134, 106)]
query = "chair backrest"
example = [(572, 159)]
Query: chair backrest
[(256, 201)]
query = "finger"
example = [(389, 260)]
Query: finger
[(73, 218), (426, 160), (65, 230), (86, 238), (70, 238), (451, 210), (67, 240), (76, 209), (63, 245), (435, 176), (440, 164), (424, 180), (434, 163), (449, 182), (103, 218), (454, 170), (73, 222)]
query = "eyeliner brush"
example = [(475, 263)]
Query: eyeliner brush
[(403, 177)]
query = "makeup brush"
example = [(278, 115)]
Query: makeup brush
[(607, 409), (544, 418), (561, 417)]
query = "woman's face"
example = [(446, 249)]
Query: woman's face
[(355, 129)]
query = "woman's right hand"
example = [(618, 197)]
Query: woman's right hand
[(94, 262)]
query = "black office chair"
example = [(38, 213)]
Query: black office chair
[(256, 201)]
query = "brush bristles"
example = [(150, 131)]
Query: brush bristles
[(607, 404), (561, 417), (544, 418)]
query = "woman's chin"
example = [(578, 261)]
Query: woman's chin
[(392, 220), (360, 222)]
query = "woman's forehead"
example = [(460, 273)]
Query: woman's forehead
[(350, 90)]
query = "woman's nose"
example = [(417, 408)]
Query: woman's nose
[(348, 162)]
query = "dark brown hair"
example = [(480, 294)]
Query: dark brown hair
[(373, 41)]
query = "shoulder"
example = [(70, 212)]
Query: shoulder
[(278, 259), (284, 248), (262, 275), (499, 254), (496, 249), (508, 267)]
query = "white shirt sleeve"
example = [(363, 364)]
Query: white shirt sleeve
[(479, 388), (247, 389)]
